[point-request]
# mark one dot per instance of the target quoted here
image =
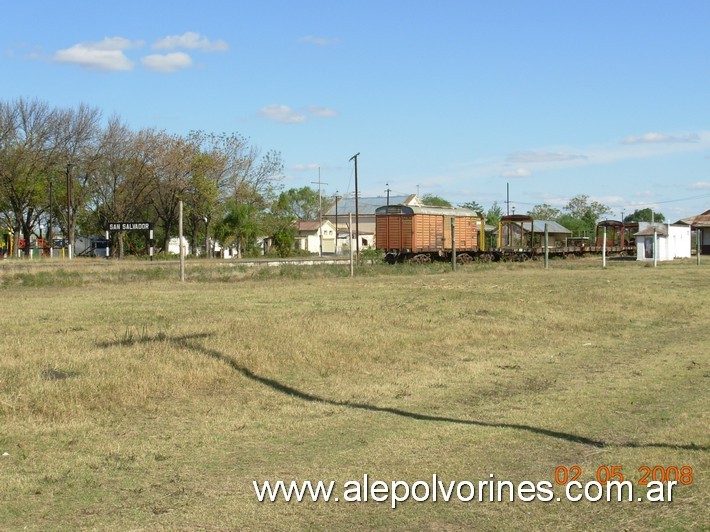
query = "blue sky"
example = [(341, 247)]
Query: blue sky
[(452, 98)]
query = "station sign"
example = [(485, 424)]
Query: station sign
[(129, 226)]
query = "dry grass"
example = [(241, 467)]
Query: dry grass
[(128, 401)]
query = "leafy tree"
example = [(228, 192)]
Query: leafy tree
[(494, 213), (240, 226), (577, 226), (544, 212), (583, 215), (644, 215), (435, 201), (473, 205), (300, 204), (28, 155)]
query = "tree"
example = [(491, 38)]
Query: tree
[(644, 215), (435, 201), (240, 226), (28, 156), (493, 214), (582, 216), (473, 205), (121, 183), (170, 171), (301, 204), (544, 212), (252, 182)]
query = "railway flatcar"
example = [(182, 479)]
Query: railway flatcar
[(421, 234), (619, 237)]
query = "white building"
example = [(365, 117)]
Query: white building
[(309, 237), (174, 245), (673, 241)]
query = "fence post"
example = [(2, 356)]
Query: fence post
[(453, 243)]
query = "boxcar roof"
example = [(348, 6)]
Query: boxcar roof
[(425, 209)]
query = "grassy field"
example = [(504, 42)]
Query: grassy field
[(129, 401)]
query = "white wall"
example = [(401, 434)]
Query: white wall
[(674, 246), (679, 241)]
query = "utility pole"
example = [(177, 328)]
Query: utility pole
[(357, 213), (70, 194), (320, 213), (337, 198), (507, 199), (181, 247), (51, 208), (388, 193)]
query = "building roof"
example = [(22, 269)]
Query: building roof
[(539, 227), (424, 209), (307, 226), (699, 221), (649, 232), (552, 227), (367, 206), (660, 229)]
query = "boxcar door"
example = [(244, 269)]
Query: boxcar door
[(445, 241)]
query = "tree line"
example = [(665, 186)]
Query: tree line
[(69, 171)]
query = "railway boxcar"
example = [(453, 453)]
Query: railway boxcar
[(423, 233)]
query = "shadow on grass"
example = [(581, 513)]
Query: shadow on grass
[(188, 342)]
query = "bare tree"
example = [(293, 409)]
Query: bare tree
[(121, 181), (28, 154)]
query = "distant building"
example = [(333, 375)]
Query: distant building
[(672, 241), (309, 236), (701, 223)]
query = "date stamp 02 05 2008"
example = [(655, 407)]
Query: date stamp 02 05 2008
[(683, 475)]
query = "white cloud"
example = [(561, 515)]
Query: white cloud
[(106, 55), (700, 185), (542, 157), (191, 41), (608, 200), (654, 137), (167, 62), (324, 112), (518, 172), (318, 41), (282, 113), (308, 167)]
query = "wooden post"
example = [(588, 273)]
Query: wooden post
[(697, 246), (350, 243), (547, 253), (453, 243), (181, 247), (604, 250)]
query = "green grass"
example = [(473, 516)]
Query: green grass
[(129, 401)]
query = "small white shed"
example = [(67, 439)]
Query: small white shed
[(673, 241)]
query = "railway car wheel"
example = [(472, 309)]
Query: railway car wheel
[(464, 258), (421, 258)]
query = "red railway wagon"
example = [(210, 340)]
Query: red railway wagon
[(422, 234)]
